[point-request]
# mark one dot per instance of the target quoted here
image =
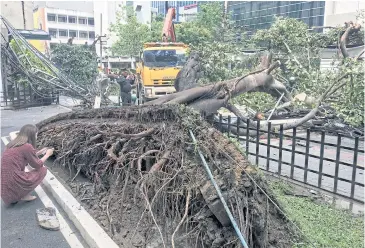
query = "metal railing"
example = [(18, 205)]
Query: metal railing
[(312, 158)]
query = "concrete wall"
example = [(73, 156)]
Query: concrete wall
[(339, 12), (328, 55), (84, 6), (12, 11)]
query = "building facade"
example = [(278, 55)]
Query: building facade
[(64, 21), (160, 7), (254, 15), (339, 12)]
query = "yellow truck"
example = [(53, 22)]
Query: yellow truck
[(160, 62), (157, 71)]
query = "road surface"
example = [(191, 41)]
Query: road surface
[(19, 228)]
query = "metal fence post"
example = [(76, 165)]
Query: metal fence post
[(280, 148), (337, 168), (307, 143), (320, 170), (268, 146), (293, 152), (257, 142), (247, 137), (354, 164)]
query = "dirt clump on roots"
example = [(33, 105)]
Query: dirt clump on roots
[(148, 186)]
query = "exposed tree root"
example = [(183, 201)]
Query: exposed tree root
[(165, 201)]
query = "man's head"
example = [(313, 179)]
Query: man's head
[(125, 73)]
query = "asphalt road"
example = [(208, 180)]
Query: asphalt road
[(19, 228)]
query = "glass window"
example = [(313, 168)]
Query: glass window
[(53, 33), (62, 33), (306, 5), (72, 33), (164, 58), (305, 13), (72, 19), (62, 18), (82, 20), (51, 17), (90, 21), (83, 34), (91, 35)]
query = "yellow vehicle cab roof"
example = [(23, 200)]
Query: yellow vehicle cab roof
[(164, 45)]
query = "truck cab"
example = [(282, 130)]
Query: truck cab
[(158, 67)]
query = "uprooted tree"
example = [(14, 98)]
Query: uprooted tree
[(149, 187)]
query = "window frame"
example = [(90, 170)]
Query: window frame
[(71, 30), (83, 32), (82, 18), (68, 19), (88, 21), (90, 32), (55, 30), (60, 36), (55, 17), (61, 16)]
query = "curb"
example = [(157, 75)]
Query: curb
[(90, 230)]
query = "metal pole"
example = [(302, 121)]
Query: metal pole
[(276, 105), (234, 224)]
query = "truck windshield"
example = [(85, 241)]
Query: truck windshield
[(164, 58)]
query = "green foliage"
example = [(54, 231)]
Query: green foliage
[(259, 101), (131, 34), (321, 223), (76, 61), (29, 61), (299, 51)]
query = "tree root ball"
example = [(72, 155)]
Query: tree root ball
[(146, 181)]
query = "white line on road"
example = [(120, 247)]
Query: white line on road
[(65, 229)]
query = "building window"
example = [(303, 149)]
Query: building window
[(90, 21), (82, 20), (62, 18), (51, 17), (92, 35), (62, 33), (72, 19), (83, 35), (72, 33), (53, 33)]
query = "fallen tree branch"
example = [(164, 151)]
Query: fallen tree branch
[(350, 28)]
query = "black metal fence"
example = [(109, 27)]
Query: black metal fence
[(15, 96), (331, 163)]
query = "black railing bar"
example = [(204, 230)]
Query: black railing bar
[(321, 156), (293, 153), (311, 155), (298, 138), (268, 147), (337, 165), (313, 171), (306, 156), (354, 168)]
